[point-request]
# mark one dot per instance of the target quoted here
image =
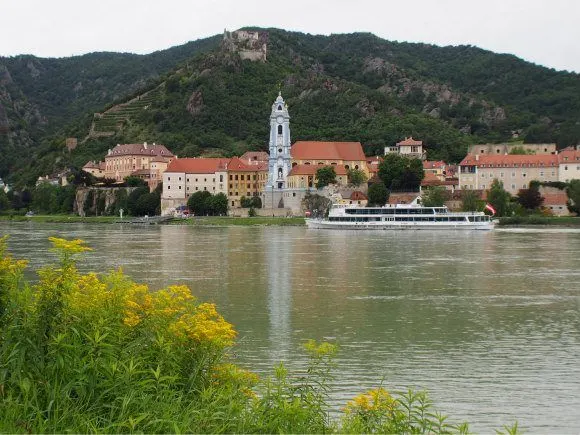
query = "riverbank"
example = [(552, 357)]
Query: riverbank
[(195, 221), (61, 219), (557, 221)]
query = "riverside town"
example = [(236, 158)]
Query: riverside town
[(266, 231)]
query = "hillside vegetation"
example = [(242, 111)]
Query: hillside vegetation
[(202, 98)]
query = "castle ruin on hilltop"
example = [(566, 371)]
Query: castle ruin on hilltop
[(251, 45)]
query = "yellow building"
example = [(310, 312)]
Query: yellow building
[(304, 176), (246, 178), (123, 160)]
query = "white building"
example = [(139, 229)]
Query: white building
[(569, 164), (408, 147), (184, 177)]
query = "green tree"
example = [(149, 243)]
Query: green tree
[(325, 176), (401, 173), (520, 150), (573, 192), (132, 181), (356, 177), (499, 198), (134, 206), (218, 204), (4, 202), (317, 205), (470, 201), (530, 199), (198, 203), (256, 202), (434, 196), (378, 194)]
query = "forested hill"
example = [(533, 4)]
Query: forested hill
[(203, 98)]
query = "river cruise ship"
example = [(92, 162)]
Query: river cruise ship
[(400, 217)]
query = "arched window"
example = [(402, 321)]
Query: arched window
[(279, 129), (294, 164), (279, 107), (346, 167)]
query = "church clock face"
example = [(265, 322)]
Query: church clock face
[(280, 119)]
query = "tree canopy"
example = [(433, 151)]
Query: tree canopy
[(499, 198), (401, 173), (325, 176), (378, 194)]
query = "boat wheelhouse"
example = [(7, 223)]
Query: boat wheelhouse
[(400, 216)]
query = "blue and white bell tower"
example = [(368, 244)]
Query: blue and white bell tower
[(280, 161)]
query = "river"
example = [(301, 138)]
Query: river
[(487, 322)]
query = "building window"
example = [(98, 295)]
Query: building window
[(179, 187), (204, 188), (179, 179), (513, 186), (231, 177), (566, 167), (236, 177), (168, 178), (279, 129), (168, 187), (188, 180), (221, 178)]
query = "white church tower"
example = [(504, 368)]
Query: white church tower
[(280, 161)]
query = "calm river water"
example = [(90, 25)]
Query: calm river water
[(487, 322)]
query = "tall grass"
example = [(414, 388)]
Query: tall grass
[(100, 353)]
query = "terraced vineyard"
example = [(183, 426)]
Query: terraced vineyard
[(112, 120)]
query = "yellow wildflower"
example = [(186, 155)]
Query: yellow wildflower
[(377, 400), (69, 246), (204, 326)]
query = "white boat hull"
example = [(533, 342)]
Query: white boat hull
[(328, 225)]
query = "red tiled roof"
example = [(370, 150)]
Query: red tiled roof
[(91, 165), (314, 150), (236, 164), (198, 165), (510, 160), (140, 149), (311, 169), (160, 159), (432, 164), (569, 155), (402, 198), (141, 172), (555, 198), (357, 195), (410, 141), (255, 156), (374, 160)]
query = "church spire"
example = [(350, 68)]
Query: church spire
[(280, 161)]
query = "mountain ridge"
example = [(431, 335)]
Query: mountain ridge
[(346, 86)]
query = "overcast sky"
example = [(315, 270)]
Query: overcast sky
[(545, 32)]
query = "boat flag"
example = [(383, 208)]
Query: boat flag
[(490, 208)]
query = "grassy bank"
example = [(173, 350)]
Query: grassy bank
[(560, 221), (197, 221), (54, 218)]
